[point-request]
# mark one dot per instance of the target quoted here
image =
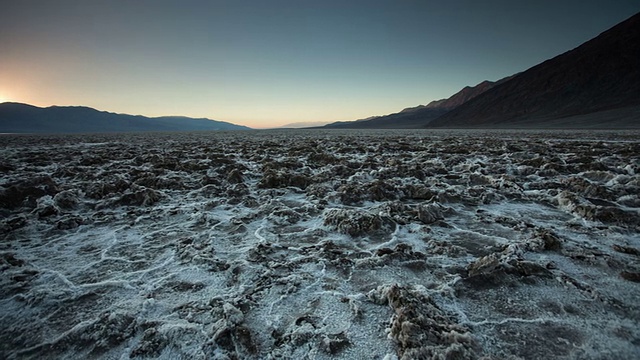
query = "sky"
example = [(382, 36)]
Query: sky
[(268, 63)]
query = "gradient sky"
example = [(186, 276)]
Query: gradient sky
[(267, 63)]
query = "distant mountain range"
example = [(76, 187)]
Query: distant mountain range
[(305, 124), (596, 85), (23, 118)]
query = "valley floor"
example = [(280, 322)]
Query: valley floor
[(321, 244)]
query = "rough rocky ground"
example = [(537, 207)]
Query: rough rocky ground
[(317, 245)]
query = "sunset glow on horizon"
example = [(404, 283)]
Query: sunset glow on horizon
[(266, 64)]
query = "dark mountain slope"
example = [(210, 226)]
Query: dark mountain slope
[(401, 120), (600, 75), (416, 117), (459, 98), (23, 118)]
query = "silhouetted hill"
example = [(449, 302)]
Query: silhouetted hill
[(459, 98), (416, 117), (392, 121), (600, 76), (23, 118)]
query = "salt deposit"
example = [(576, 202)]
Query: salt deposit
[(321, 244)]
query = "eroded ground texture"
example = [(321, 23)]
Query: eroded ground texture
[(317, 245)]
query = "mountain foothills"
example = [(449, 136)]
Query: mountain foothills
[(23, 118), (596, 85)]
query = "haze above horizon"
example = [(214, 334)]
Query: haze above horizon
[(269, 63)]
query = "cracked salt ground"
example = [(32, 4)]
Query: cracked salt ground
[(341, 244)]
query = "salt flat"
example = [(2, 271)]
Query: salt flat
[(321, 244)]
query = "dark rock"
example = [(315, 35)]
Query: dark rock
[(101, 189), (546, 240), (6, 167), (384, 251), (238, 191), (322, 158), (418, 192), (151, 345), (528, 268), (140, 197), (235, 176), (12, 224), (631, 276), (70, 222), (275, 180), (11, 259), (421, 329), (351, 194), (244, 338), (626, 250), (46, 211), (334, 343), (382, 191), (430, 213), (485, 265), (355, 223), (26, 193), (67, 199)]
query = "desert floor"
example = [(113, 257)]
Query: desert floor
[(321, 244)]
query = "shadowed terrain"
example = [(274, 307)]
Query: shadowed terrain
[(601, 76), (416, 117)]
